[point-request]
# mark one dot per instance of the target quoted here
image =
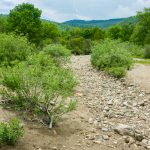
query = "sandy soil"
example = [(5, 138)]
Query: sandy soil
[(140, 75)]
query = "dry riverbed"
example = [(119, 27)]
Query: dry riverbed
[(111, 115)]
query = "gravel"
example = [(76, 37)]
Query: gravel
[(117, 106)]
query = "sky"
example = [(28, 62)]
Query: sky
[(63, 10)]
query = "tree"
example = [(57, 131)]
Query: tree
[(3, 24), (25, 19), (93, 33), (87, 33), (114, 32), (98, 34), (126, 32), (147, 39), (50, 32), (140, 34), (75, 32)]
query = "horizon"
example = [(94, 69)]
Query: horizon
[(77, 19), (67, 10)]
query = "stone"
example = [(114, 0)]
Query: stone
[(91, 121), (97, 142), (110, 103), (115, 142), (90, 137), (104, 129), (139, 137), (148, 142), (123, 129), (141, 95), (54, 148), (106, 108), (144, 141), (105, 137), (95, 123)]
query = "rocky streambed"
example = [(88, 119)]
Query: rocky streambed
[(120, 111)]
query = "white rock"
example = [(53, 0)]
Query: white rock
[(105, 137), (90, 120), (123, 129)]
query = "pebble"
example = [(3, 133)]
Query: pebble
[(118, 102), (91, 121), (105, 129), (54, 148), (105, 137), (123, 129)]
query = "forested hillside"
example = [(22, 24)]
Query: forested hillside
[(93, 23)]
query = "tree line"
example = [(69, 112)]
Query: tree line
[(25, 20)]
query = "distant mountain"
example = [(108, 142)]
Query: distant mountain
[(98, 23), (130, 20), (92, 23)]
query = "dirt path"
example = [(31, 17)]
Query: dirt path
[(140, 75), (103, 103)]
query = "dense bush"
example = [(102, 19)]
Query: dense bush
[(93, 33), (57, 51), (3, 24), (126, 31), (13, 49), (50, 33), (79, 45), (39, 86), (10, 132), (147, 51), (135, 50), (111, 56), (117, 72), (114, 32)]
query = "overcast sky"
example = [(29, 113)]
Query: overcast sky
[(62, 10)]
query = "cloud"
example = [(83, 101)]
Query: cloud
[(122, 12), (61, 10), (82, 17)]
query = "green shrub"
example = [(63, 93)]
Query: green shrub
[(147, 52), (135, 50), (3, 24), (10, 132), (111, 56), (57, 51), (13, 49), (79, 45), (38, 86), (117, 72)]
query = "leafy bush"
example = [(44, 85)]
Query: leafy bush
[(117, 72), (58, 51), (50, 32), (10, 132), (13, 49), (79, 45), (3, 24), (39, 86), (111, 56), (135, 50), (147, 52)]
